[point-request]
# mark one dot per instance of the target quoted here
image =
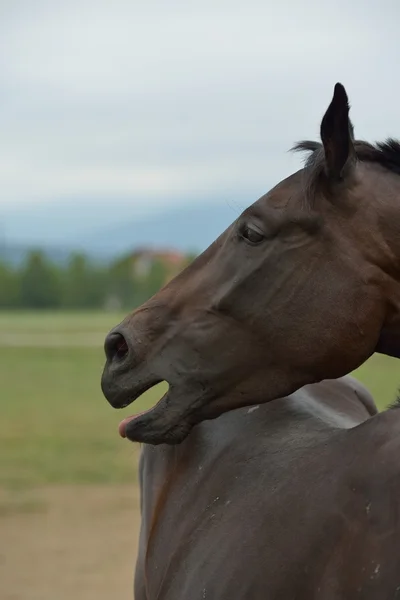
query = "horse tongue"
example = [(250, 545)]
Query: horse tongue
[(124, 423), (121, 427)]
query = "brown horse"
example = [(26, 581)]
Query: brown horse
[(304, 286), (295, 498)]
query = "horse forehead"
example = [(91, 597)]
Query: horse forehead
[(286, 193)]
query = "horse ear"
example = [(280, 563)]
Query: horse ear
[(337, 135)]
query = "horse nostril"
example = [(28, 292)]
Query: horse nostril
[(116, 347)]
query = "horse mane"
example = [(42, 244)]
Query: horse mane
[(396, 403), (386, 154)]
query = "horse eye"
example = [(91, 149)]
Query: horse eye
[(252, 235)]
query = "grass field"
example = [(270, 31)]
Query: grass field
[(56, 426), (69, 516), (69, 513)]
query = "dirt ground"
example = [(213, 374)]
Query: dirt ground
[(69, 542)]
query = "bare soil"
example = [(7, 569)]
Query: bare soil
[(69, 542)]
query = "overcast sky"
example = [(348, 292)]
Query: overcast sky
[(150, 99)]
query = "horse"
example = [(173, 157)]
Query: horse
[(294, 499), (303, 287)]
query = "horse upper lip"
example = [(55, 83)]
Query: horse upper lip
[(124, 393)]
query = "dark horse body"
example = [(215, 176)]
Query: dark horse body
[(284, 501), (287, 500)]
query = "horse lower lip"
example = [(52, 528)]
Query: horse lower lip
[(125, 422)]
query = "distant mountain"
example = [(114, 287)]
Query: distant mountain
[(107, 229), (187, 228)]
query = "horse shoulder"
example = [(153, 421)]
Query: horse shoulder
[(373, 493)]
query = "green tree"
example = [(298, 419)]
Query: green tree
[(121, 282), (148, 284), (8, 286), (83, 284), (157, 278), (39, 283)]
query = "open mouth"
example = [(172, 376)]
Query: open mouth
[(169, 421), (122, 427)]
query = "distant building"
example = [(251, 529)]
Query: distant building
[(144, 259)]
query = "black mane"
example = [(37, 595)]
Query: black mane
[(385, 153), (396, 403)]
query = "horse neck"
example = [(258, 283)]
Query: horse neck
[(388, 222)]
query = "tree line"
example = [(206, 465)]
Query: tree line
[(40, 284)]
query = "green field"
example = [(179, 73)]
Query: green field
[(56, 426)]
